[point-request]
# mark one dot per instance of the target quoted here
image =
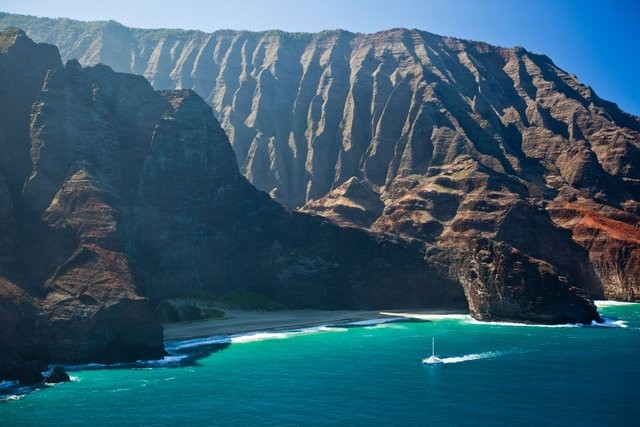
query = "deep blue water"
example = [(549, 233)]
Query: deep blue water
[(496, 374)]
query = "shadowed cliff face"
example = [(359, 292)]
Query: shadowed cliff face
[(403, 132), (67, 291)]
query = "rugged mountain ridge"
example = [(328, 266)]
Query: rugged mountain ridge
[(447, 141), (452, 141), (130, 195)]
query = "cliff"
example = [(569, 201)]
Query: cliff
[(66, 292), (447, 141), (114, 196)]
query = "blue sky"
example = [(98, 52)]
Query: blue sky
[(596, 40)]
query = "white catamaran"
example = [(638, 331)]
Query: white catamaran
[(433, 359)]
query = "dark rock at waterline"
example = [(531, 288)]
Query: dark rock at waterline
[(57, 375), (26, 373)]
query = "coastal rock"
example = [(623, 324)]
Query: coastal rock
[(19, 344), (57, 375), (495, 279)]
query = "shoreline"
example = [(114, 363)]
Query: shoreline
[(245, 321)]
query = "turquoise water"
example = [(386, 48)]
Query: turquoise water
[(495, 374)]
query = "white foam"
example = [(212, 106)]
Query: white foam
[(525, 325), (324, 328), (170, 360), (609, 323), (260, 336), (377, 321), (468, 357), (173, 346), (265, 335), (197, 342), (609, 303), (386, 326), (12, 397)]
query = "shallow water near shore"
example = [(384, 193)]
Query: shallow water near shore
[(370, 374)]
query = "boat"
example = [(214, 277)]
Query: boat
[(433, 359)]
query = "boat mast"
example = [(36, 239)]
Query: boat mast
[(433, 346)]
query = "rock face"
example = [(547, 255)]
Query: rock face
[(57, 375), (131, 195), (66, 289), (446, 141)]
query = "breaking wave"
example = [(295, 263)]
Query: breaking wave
[(176, 346), (171, 346), (524, 325), (11, 397), (260, 336), (609, 303), (263, 336), (608, 322), (377, 321), (386, 326), (171, 360)]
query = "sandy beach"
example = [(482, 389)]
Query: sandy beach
[(240, 321)]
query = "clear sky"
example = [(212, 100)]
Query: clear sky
[(598, 40)]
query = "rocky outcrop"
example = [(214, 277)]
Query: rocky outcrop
[(612, 240), (134, 195), (20, 350), (495, 277), (352, 203), (406, 132), (57, 375)]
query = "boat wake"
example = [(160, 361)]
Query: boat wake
[(469, 357)]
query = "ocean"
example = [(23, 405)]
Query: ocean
[(365, 374)]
